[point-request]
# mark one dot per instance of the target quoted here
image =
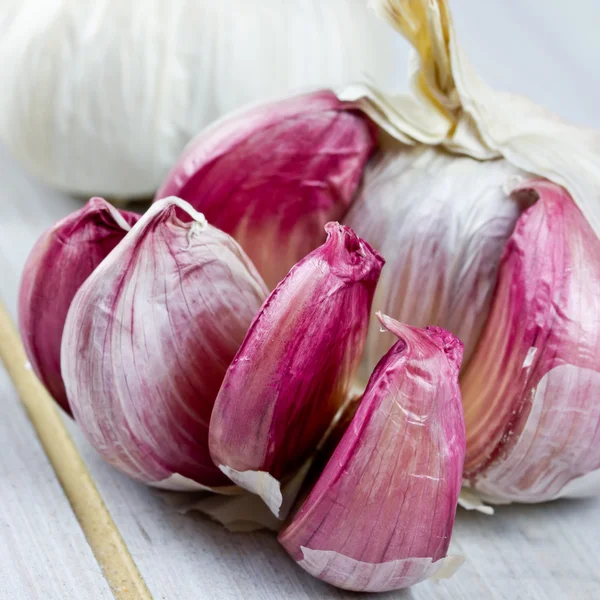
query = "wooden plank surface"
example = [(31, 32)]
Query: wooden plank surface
[(43, 552)]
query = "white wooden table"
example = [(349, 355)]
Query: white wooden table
[(544, 552)]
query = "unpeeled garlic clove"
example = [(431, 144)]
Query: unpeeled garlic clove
[(61, 260), (441, 222), (294, 369), (381, 513), (273, 175), (531, 391), (148, 339)]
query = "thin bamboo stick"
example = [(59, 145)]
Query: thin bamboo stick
[(96, 522)]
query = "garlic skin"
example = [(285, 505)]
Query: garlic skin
[(531, 390), (381, 513), (441, 222), (62, 259), (294, 369), (148, 339), (101, 97), (273, 175)]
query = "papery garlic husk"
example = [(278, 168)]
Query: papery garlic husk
[(239, 513), (441, 222), (273, 175), (453, 108), (62, 259), (240, 510), (295, 367), (148, 340), (531, 391), (381, 513)]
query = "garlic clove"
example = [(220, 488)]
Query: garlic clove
[(148, 339), (294, 369), (430, 212), (61, 260), (381, 512), (273, 175), (530, 392)]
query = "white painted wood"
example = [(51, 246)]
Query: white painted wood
[(43, 552), (544, 552)]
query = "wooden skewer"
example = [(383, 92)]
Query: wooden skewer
[(96, 522)]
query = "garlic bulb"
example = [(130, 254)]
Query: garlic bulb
[(62, 259), (436, 199), (101, 97), (442, 222), (272, 175), (531, 390), (293, 371), (454, 109), (380, 515), (147, 342)]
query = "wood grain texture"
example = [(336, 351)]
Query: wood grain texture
[(43, 552)]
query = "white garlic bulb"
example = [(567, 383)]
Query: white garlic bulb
[(101, 97)]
